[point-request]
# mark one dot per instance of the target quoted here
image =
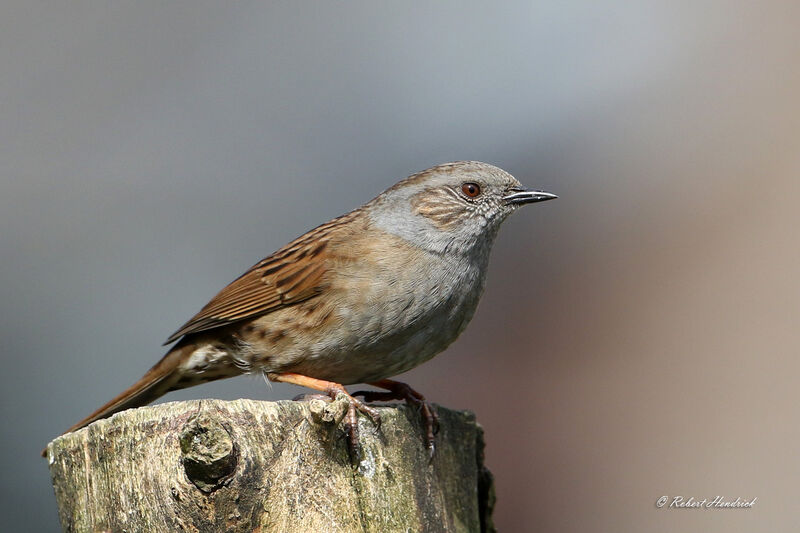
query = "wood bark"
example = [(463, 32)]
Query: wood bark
[(286, 467)]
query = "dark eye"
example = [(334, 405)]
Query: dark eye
[(471, 189)]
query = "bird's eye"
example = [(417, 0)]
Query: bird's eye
[(471, 189)]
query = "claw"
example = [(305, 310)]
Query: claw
[(351, 418), (332, 391), (401, 391), (431, 418), (351, 425)]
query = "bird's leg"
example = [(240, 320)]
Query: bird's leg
[(333, 390), (400, 391)]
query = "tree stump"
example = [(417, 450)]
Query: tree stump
[(245, 465)]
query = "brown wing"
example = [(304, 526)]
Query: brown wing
[(289, 276)]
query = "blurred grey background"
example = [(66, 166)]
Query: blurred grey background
[(638, 337)]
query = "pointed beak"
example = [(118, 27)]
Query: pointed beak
[(520, 197)]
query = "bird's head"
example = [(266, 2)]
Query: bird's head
[(452, 207)]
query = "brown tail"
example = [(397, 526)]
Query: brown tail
[(155, 383)]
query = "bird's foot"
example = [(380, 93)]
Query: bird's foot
[(354, 407), (333, 391), (397, 390)]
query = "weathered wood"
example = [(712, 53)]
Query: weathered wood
[(212, 465)]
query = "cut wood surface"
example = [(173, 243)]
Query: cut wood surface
[(243, 465)]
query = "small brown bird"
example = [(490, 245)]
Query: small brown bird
[(364, 297)]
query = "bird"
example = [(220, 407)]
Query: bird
[(359, 299)]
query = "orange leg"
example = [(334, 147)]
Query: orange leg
[(333, 390), (401, 391)]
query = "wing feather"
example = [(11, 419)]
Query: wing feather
[(293, 274)]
